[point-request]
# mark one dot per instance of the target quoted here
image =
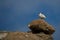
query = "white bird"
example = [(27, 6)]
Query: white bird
[(42, 16)]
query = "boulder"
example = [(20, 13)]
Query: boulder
[(41, 25)]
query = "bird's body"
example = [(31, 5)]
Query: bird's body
[(42, 16)]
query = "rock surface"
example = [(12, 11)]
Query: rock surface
[(40, 30), (41, 25), (27, 36)]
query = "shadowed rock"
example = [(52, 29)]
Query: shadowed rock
[(41, 25)]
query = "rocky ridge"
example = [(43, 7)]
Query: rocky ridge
[(34, 34)]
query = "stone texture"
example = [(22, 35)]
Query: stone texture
[(40, 30), (41, 25), (27, 36)]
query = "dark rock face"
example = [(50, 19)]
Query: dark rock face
[(41, 26), (27, 36)]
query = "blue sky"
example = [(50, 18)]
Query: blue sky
[(16, 14)]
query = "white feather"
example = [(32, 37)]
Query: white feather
[(28, 25), (42, 16)]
